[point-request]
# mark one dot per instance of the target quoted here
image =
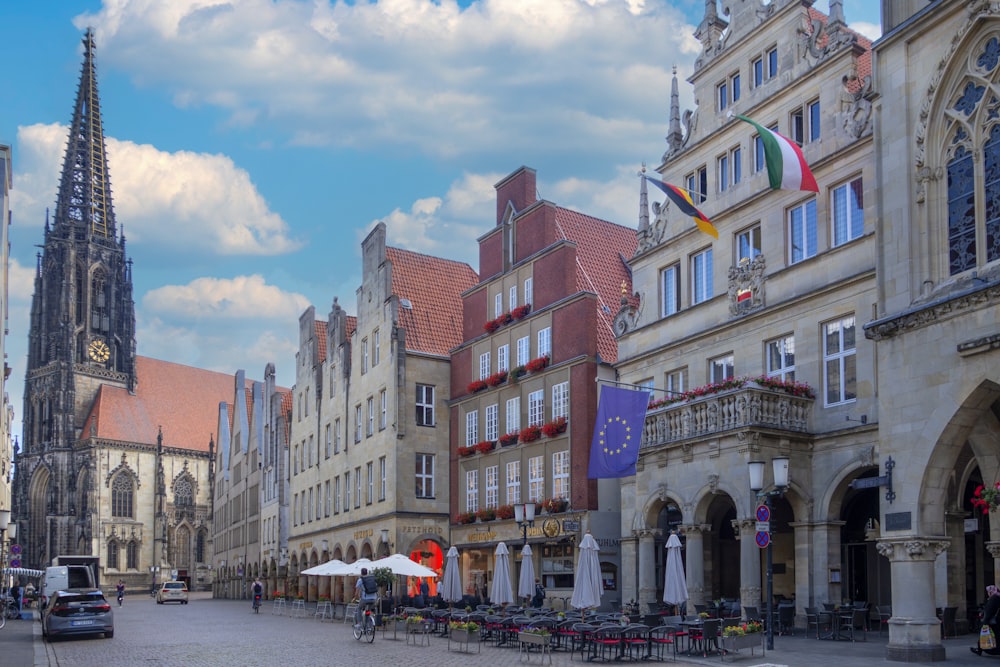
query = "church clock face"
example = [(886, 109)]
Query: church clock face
[(98, 350)]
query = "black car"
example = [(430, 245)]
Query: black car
[(77, 612)]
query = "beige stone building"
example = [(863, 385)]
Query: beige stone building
[(762, 324), (368, 444), (6, 410), (935, 329)]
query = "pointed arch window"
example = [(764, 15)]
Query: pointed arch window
[(973, 164), (183, 493), (132, 555), (100, 319), (113, 554), (123, 496)]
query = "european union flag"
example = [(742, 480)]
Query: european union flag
[(621, 415)]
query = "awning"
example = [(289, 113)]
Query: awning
[(23, 572)]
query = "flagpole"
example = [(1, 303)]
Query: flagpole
[(638, 386)]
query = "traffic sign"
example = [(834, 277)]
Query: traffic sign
[(15, 549), (763, 513), (763, 539), (15, 562), (763, 526)]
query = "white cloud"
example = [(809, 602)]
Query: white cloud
[(161, 198), (20, 281), (870, 30), (414, 74), (242, 297)]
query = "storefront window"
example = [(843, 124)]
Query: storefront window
[(557, 565)]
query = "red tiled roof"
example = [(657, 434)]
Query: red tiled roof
[(433, 286), (321, 340), (352, 325), (182, 399), (600, 249), (864, 61)]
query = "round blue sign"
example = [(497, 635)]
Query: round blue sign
[(763, 539), (763, 513)]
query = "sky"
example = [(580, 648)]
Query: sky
[(252, 144)]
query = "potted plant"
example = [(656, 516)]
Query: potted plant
[(508, 439), (537, 364), (555, 427), (505, 512), (534, 636), (555, 505), (486, 514), (491, 326), (464, 633), (530, 433), (517, 373), (744, 635), (521, 311), (497, 379), (466, 451), (484, 447), (986, 498), (465, 517)]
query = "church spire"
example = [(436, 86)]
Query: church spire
[(84, 198), (675, 138)]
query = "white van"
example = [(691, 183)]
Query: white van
[(64, 577)]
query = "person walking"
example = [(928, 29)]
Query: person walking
[(990, 611)]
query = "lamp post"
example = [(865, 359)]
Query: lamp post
[(385, 542), (756, 470), (524, 515)]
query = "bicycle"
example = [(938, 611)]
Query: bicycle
[(256, 603), (366, 628)]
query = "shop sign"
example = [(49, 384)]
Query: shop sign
[(363, 534), (437, 530), (305, 545), (482, 536), (570, 526)]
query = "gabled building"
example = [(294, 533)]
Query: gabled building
[(537, 332), (753, 340), (369, 441), (6, 410)]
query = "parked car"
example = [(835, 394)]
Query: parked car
[(172, 591), (77, 612)]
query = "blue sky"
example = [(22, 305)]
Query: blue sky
[(254, 143)]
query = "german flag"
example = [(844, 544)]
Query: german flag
[(682, 200)]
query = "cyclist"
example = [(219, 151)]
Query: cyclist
[(366, 590), (120, 589), (258, 591)]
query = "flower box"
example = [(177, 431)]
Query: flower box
[(555, 427), (530, 433), (505, 512), (509, 439), (486, 514), (497, 379), (466, 451), (476, 386), (484, 447), (465, 517), (538, 364), (463, 636), (534, 638), (521, 311), (737, 642)]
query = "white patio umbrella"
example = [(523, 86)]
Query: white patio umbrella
[(526, 582), (326, 569), (352, 569), (675, 590), (587, 588), (403, 566), (501, 592), (451, 585)]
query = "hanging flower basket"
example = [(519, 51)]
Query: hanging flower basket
[(986, 498), (555, 427)]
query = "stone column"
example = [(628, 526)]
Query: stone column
[(647, 569), (628, 585), (914, 629), (695, 563), (994, 549), (751, 593), (803, 576), (955, 568)]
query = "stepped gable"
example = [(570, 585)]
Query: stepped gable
[(433, 287), (600, 249), (182, 398)]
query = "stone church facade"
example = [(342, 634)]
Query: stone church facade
[(116, 455)]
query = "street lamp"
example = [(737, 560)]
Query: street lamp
[(524, 515), (386, 542), (756, 470)]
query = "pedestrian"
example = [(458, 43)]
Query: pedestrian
[(990, 621), (539, 598), (15, 593)]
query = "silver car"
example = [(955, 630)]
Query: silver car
[(77, 612)]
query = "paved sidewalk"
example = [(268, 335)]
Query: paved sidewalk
[(17, 643)]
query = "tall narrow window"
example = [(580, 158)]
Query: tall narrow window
[(758, 71), (132, 552), (347, 491), (671, 286), (425, 405), (523, 351), (536, 479), (722, 175), (113, 550), (471, 428), (381, 478), (327, 442), (492, 486), (383, 409), (701, 276), (357, 487), (513, 482), (503, 355), (364, 356), (484, 365), (802, 232), (847, 201), (512, 298), (813, 116), (736, 164), (370, 476), (758, 154), (675, 382), (123, 496), (839, 361), (375, 347), (471, 490), (371, 416), (722, 95), (721, 368), (425, 476), (326, 498), (536, 408), (560, 474), (734, 87), (497, 304), (336, 494), (357, 423), (772, 62), (545, 342), (560, 400), (513, 415), (336, 436), (781, 358), (492, 422), (748, 243), (528, 291)]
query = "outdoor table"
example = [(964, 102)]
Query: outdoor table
[(323, 609), (277, 606), (688, 627), (298, 608), (420, 632)]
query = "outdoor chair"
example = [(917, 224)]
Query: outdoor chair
[(817, 619), (786, 619), (884, 614), (606, 643), (707, 636), (580, 639), (662, 638), (752, 613), (855, 621), (635, 641)]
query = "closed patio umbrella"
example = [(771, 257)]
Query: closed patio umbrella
[(587, 589), (526, 582), (675, 591), (501, 592), (451, 585)]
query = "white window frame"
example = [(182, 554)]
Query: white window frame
[(336, 435), (841, 204), (492, 422), (503, 358), (779, 357), (512, 420), (358, 421), (383, 409), (536, 478), (560, 474), (364, 356), (484, 365), (472, 490), (375, 345), (347, 491), (814, 120), (545, 342), (523, 350), (336, 494), (801, 230), (721, 368), (736, 164), (492, 486), (560, 400), (471, 428), (675, 381), (512, 298), (701, 276), (371, 417), (370, 474), (425, 475), (328, 442), (357, 487), (536, 408), (722, 171), (498, 304), (326, 498), (425, 407), (747, 243), (670, 289), (382, 472), (844, 358), (529, 286), (512, 482)]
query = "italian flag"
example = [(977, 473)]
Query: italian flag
[(786, 168)]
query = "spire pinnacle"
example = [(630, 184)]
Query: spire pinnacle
[(675, 138), (84, 198)]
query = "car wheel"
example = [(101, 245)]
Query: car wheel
[(159, 602), (109, 635)]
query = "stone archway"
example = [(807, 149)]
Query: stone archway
[(38, 499)]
